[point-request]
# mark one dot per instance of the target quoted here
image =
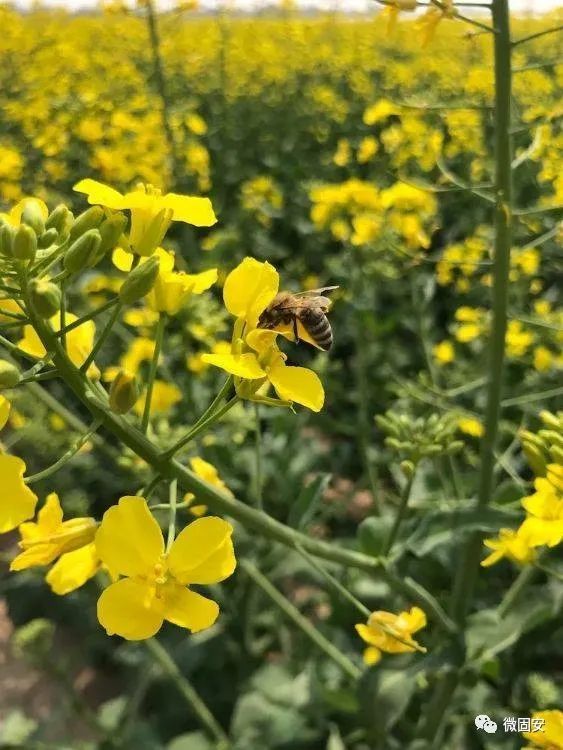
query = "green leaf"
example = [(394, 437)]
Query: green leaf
[(303, 509), (110, 713), (385, 695), (190, 741)]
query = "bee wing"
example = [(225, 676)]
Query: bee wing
[(315, 292)]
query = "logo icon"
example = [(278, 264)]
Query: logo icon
[(482, 721)]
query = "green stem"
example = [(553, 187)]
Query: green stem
[(173, 499), (89, 316), (159, 337), (66, 457), (401, 513), (469, 563), (103, 336), (258, 458), (302, 622), (169, 666), (519, 584), (63, 313)]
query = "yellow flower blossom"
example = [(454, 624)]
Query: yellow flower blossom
[(514, 545), (195, 362), (172, 289), (4, 411), (444, 352), (14, 215), (343, 153), (544, 524), (367, 149), (79, 341), (155, 584), (164, 397), (209, 474), (383, 630), (73, 569), (18, 501), (551, 735), (471, 426), (543, 359), (518, 339), (50, 537), (151, 212)]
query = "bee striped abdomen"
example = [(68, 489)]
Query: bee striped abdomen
[(317, 326)]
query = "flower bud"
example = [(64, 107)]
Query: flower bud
[(33, 218), (9, 374), (45, 297), (551, 420), (123, 392), (48, 238), (59, 218), (148, 238), (140, 281), (7, 233), (89, 219), (25, 243), (80, 253), (110, 231), (535, 457), (552, 437), (407, 467), (556, 454)]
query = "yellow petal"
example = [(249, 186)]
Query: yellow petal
[(202, 281), (414, 620), (72, 570), (249, 289), (122, 259), (203, 552), (241, 365), (191, 210), (31, 343), (189, 610), (129, 540), (130, 609), (15, 214), (297, 384), (50, 517), (261, 339), (4, 411), (100, 194), (371, 656), (369, 635), (18, 501)]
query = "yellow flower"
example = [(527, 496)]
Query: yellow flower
[(172, 289), (154, 589), (196, 363), (4, 411), (140, 350), (444, 352), (384, 628), (518, 340), (343, 152), (544, 524), (249, 289), (543, 358), (14, 216), (471, 426), (164, 397), (151, 212), (209, 474), (515, 545), (79, 341), (48, 538), (18, 501), (367, 149), (551, 735)]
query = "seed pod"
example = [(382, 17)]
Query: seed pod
[(33, 218), (82, 250), (110, 231), (140, 281), (10, 375), (48, 238), (7, 233), (59, 218), (89, 219), (123, 392), (45, 297), (25, 243)]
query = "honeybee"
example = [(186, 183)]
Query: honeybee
[(301, 309)]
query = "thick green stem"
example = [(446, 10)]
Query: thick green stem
[(302, 622), (169, 666), (258, 457), (159, 337)]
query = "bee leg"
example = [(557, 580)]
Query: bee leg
[(295, 331)]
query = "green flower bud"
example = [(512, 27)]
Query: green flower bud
[(535, 457), (153, 232), (454, 447), (80, 253), (140, 281), (123, 392), (407, 467), (551, 420), (59, 218), (25, 243), (48, 238), (45, 297), (7, 233), (110, 231), (10, 375), (89, 219), (556, 454), (552, 437), (530, 437), (32, 217)]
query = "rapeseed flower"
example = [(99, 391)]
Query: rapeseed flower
[(514, 545), (544, 524), (391, 634), (18, 502), (551, 735), (209, 474), (155, 584)]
